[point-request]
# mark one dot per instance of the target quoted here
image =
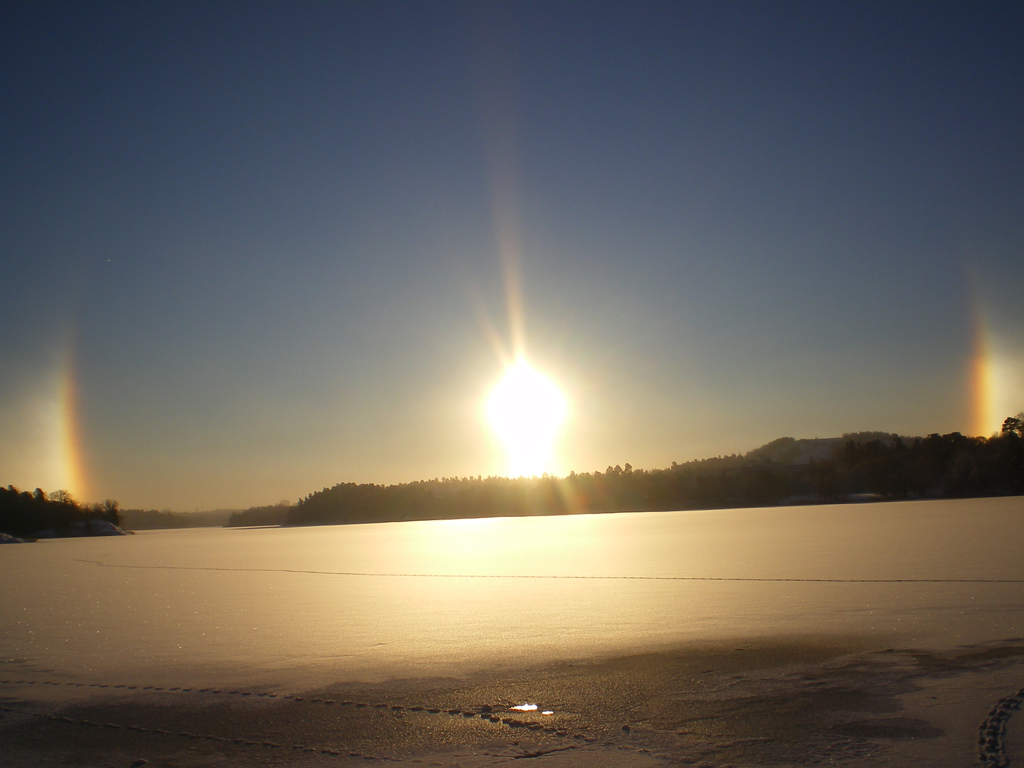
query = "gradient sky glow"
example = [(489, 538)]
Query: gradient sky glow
[(253, 249)]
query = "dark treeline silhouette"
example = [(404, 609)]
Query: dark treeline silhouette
[(149, 519), (27, 514), (787, 471), (273, 514)]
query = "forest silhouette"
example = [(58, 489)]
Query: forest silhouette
[(861, 467), (51, 514), (869, 466)]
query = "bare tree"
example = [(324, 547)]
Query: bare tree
[(61, 497)]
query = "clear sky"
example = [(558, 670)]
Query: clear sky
[(250, 250)]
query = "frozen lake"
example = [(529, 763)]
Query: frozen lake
[(297, 606)]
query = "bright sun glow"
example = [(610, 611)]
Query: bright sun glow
[(526, 410)]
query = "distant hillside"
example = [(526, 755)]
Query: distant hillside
[(149, 519), (788, 450), (273, 514)]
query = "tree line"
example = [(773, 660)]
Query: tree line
[(149, 519), (884, 467), (271, 514), (27, 514), (786, 471)]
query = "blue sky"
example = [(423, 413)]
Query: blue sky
[(250, 250)]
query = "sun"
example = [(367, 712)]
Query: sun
[(526, 410)]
